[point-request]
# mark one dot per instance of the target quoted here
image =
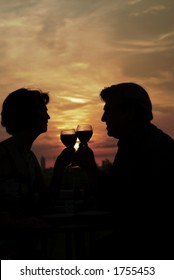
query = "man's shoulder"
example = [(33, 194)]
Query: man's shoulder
[(161, 137), (161, 146)]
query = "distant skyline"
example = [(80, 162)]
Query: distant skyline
[(73, 49)]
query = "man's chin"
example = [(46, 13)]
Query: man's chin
[(43, 130), (109, 133)]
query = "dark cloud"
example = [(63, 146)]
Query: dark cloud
[(145, 20), (108, 143), (164, 109), (149, 65), (16, 7), (164, 89)]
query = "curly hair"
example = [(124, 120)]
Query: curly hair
[(20, 107)]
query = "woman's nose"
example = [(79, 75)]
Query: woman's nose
[(103, 118)]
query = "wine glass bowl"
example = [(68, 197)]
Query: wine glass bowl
[(68, 137), (84, 133)]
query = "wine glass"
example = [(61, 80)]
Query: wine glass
[(68, 137), (84, 133)]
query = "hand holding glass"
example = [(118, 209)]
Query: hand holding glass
[(69, 137)]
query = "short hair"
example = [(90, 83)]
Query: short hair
[(129, 96), (20, 107)]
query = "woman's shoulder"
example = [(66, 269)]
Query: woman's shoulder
[(4, 148), (6, 143), (5, 159)]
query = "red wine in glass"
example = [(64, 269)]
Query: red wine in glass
[(84, 132), (68, 137)]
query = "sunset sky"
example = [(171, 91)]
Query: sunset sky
[(74, 48)]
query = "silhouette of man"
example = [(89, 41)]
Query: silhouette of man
[(138, 190), (22, 189)]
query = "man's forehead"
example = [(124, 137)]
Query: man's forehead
[(109, 106), (42, 106)]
